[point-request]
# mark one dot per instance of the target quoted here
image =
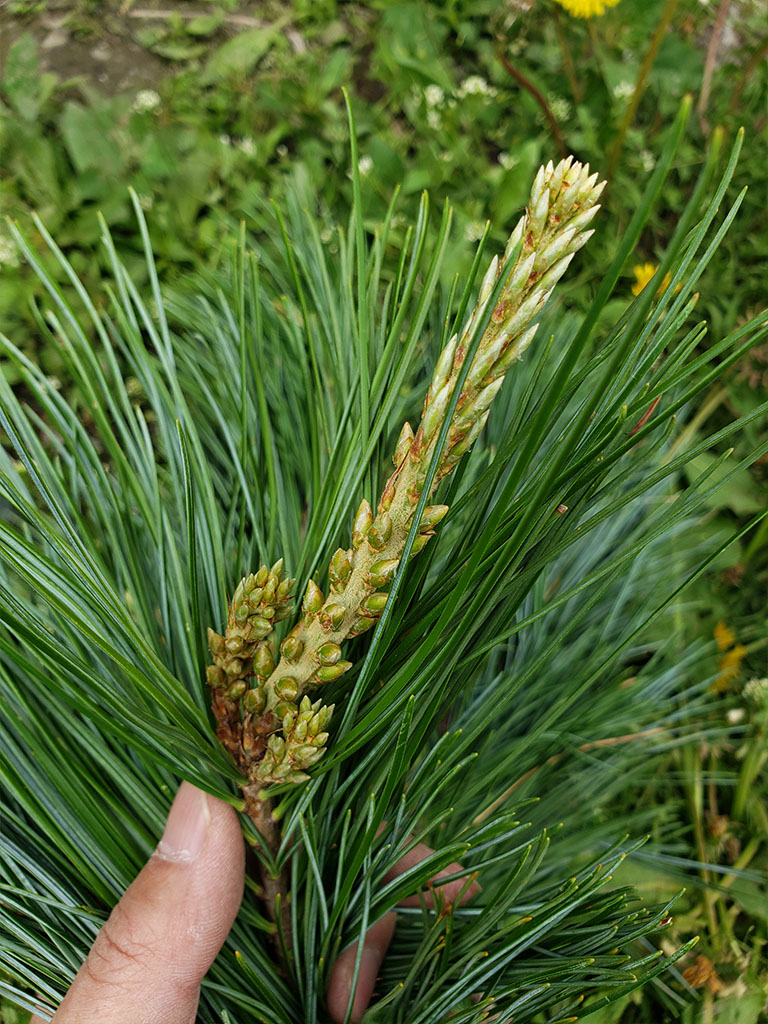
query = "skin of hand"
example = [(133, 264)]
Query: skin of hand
[(148, 960)]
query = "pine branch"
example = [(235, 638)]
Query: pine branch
[(271, 729), (515, 640)]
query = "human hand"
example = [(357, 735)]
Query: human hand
[(149, 959)]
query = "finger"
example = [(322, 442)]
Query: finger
[(455, 892), (148, 960), (375, 946)]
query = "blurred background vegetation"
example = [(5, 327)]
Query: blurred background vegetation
[(211, 109)]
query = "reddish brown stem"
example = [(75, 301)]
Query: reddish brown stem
[(519, 77), (709, 66), (236, 739), (274, 887)]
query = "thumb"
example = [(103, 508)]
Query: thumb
[(148, 960)]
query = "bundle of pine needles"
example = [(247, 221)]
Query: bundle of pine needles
[(149, 632)]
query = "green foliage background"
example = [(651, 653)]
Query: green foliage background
[(245, 115)]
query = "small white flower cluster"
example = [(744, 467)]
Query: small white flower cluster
[(9, 257), (146, 100), (560, 107), (508, 161), (434, 95), (756, 691), (365, 165), (247, 146), (474, 230), (647, 160), (474, 85), (623, 90)]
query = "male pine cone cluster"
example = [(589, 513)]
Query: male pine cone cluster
[(265, 719)]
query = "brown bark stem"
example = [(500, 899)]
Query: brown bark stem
[(274, 887)]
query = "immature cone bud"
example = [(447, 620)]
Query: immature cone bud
[(362, 524), (381, 572), (431, 517), (234, 667), (362, 624), (332, 617), (420, 542), (339, 570), (380, 532), (291, 648), (263, 662), (330, 673), (254, 701), (286, 688), (214, 675), (276, 571), (260, 627), (373, 605), (216, 643), (404, 442), (442, 370), (329, 653), (313, 599), (237, 689), (234, 644)]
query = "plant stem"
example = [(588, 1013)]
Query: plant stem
[(709, 66), (642, 74), (750, 769), (576, 91), (692, 769), (749, 68), (275, 888), (528, 85)]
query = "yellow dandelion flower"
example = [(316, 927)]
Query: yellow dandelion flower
[(724, 636), (644, 272), (586, 8), (729, 666)]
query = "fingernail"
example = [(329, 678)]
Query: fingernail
[(186, 827)]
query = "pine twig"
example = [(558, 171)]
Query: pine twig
[(560, 209), (266, 720)]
